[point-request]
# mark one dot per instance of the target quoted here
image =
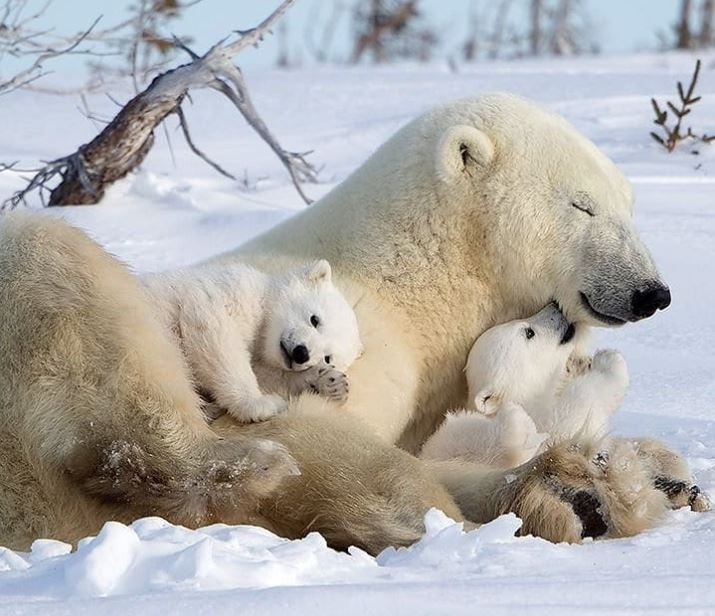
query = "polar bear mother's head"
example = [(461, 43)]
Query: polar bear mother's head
[(552, 209)]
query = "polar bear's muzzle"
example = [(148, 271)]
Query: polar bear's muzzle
[(642, 303)]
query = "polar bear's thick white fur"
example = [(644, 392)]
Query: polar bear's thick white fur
[(526, 385), (100, 420), (476, 213), (227, 317)]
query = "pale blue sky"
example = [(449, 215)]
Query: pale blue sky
[(621, 25)]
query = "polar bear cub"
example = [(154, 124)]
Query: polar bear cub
[(526, 386), (225, 316)]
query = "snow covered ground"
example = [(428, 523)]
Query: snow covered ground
[(174, 213)]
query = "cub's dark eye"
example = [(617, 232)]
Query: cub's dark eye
[(583, 207), (529, 333), (314, 321), (328, 358)]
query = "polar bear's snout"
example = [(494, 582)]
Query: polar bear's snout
[(642, 303)]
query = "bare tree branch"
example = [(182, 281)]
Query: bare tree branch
[(124, 142), (35, 70), (187, 135)]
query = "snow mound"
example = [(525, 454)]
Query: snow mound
[(151, 555)]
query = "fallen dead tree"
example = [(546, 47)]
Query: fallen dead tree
[(124, 143)]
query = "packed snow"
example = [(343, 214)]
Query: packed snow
[(178, 211)]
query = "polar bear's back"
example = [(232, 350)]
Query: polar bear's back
[(231, 289)]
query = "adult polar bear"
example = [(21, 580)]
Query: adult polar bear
[(477, 212)]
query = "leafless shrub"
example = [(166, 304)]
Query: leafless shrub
[(31, 46), (555, 27), (677, 133), (143, 42), (137, 47), (687, 32), (391, 29)]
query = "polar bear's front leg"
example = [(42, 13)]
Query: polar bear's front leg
[(220, 361), (588, 400)]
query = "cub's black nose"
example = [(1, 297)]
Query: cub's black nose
[(300, 354), (645, 302)]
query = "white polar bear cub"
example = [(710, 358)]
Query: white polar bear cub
[(526, 386), (225, 316)]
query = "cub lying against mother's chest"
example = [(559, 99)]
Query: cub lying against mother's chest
[(528, 384), (225, 316)]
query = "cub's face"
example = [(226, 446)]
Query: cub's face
[(516, 361), (310, 322)]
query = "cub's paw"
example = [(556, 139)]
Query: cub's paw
[(578, 365), (331, 383), (610, 362), (260, 408)]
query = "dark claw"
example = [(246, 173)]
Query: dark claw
[(671, 487), (694, 493)]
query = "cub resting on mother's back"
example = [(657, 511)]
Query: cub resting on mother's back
[(479, 211), (227, 317)]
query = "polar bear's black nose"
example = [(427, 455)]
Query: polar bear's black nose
[(645, 302), (300, 354)]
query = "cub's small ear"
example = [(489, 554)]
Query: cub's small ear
[(462, 150), (486, 402), (318, 271)]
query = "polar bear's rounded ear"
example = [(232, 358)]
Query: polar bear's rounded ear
[(486, 402), (318, 271), (462, 150)]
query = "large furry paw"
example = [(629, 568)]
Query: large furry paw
[(574, 491), (248, 466), (224, 477), (330, 383), (683, 494), (259, 408), (670, 474)]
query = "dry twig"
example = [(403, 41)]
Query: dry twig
[(19, 41), (673, 135)]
